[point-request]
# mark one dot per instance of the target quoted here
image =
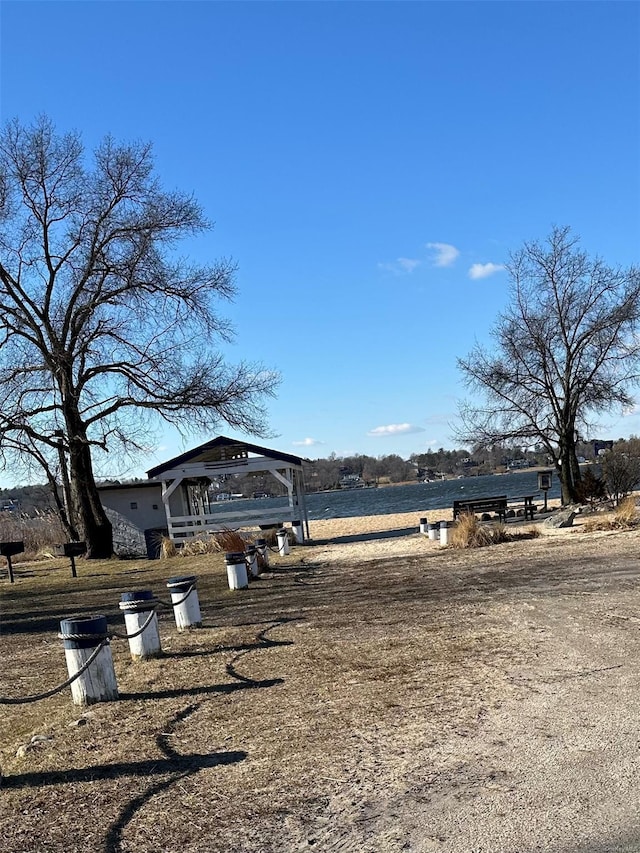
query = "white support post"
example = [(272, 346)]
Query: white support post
[(283, 542), (263, 553), (251, 559), (298, 532), (81, 637), (138, 608), (186, 607), (236, 570)]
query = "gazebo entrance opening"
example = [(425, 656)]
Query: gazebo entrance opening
[(195, 503)]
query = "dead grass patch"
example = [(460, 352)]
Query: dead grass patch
[(210, 543), (228, 541), (624, 517), (305, 704), (468, 532), (39, 534)]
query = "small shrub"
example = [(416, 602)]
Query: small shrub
[(271, 536), (592, 488), (626, 513), (228, 541), (624, 517), (167, 548), (468, 532), (199, 545)]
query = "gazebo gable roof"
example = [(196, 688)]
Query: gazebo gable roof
[(220, 450)]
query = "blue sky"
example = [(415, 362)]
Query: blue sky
[(368, 165)]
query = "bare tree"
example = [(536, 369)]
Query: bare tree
[(621, 468), (566, 350), (103, 328)]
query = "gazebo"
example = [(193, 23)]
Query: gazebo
[(192, 507)]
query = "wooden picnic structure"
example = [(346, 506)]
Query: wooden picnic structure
[(498, 504), (192, 509)]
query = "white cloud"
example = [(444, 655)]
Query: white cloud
[(395, 429), (307, 442), (444, 254), (408, 264), (401, 266), (484, 270)]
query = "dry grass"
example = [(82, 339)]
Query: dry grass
[(230, 711), (168, 549), (228, 541), (626, 513), (624, 517), (319, 709), (468, 532), (210, 543), (39, 534)]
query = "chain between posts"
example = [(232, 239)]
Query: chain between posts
[(139, 631), (181, 601), (10, 700)]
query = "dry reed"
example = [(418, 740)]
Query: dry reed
[(229, 541), (39, 534), (199, 545), (208, 543), (624, 517), (167, 548), (468, 532)]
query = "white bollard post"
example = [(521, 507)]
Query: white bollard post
[(81, 638), (298, 532), (444, 533), (251, 559), (263, 553), (423, 525), (186, 608), (432, 531), (236, 570), (137, 608), (283, 542)]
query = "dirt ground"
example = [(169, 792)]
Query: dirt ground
[(373, 692)]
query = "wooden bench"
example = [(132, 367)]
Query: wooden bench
[(480, 505), (527, 508)]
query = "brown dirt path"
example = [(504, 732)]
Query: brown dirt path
[(371, 697)]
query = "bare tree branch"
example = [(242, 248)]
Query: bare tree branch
[(103, 327), (566, 349)]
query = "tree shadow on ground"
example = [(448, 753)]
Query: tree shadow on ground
[(148, 767), (206, 690)]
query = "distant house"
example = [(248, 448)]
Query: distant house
[(177, 497), (352, 481)]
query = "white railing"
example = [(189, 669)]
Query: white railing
[(192, 525)]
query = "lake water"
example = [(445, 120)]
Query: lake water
[(419, 497)]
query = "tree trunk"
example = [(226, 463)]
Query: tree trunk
[(569, 470), (95, 527)]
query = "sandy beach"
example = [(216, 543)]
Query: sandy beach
[(382, 536)]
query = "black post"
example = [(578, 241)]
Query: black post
[(10, 567)]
